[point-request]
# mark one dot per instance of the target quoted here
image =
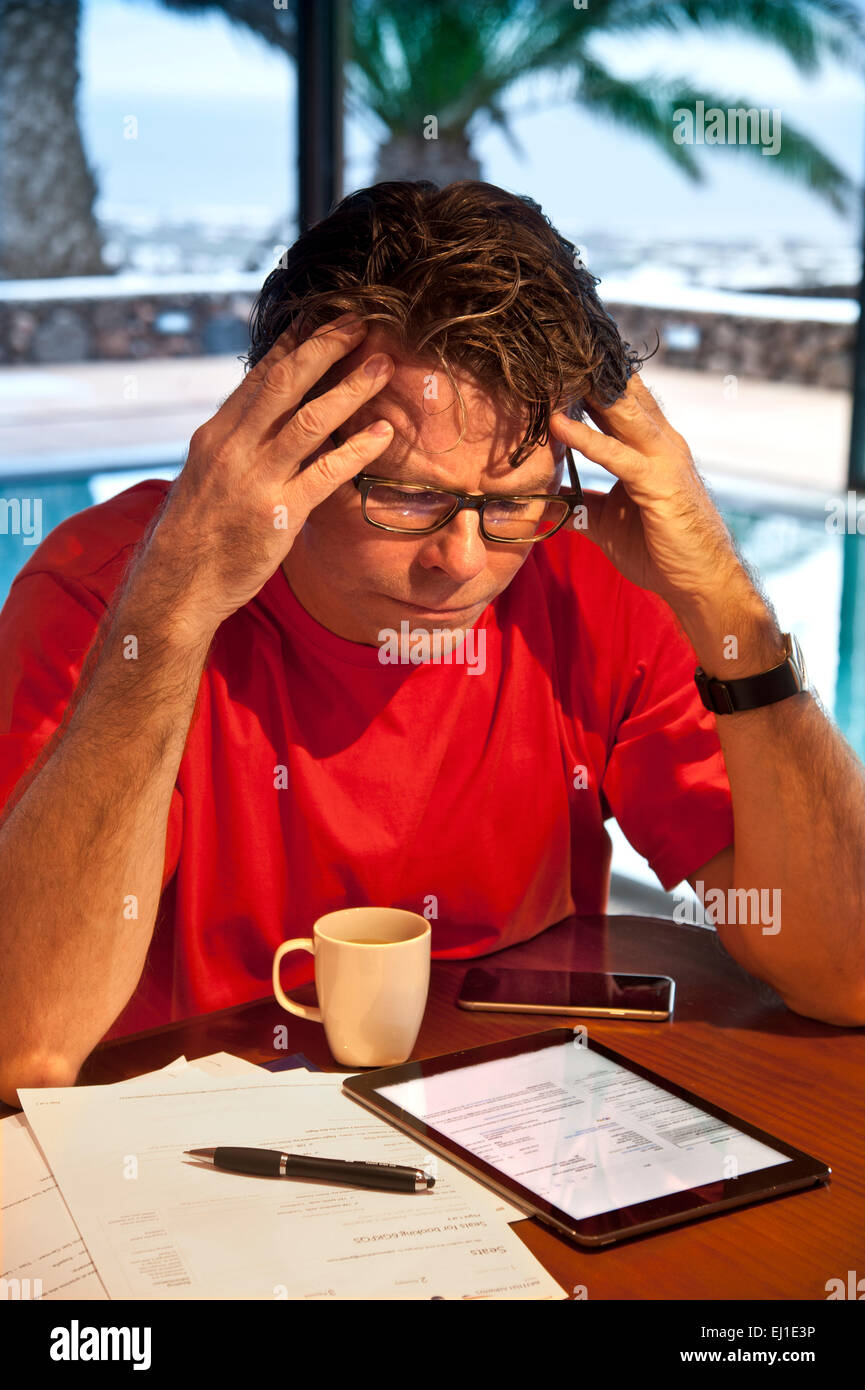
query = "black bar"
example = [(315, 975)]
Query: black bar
[(192, 1340), (320, 48)]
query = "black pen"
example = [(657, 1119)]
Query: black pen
[(270, 1163)]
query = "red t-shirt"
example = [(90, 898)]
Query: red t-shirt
[(316, 777)]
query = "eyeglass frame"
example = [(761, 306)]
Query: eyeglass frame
[(468, 501)]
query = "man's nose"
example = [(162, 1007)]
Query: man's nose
[(458, 548)]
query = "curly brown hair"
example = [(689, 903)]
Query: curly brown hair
[(468, 276)]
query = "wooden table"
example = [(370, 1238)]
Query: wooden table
[(732, 1041)]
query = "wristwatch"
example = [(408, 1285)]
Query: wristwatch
[(751, 692)]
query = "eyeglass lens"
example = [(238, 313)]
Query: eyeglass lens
[(523, 519)]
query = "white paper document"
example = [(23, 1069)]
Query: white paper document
[(159, 1225), (299, 1076), (41, 1251), (43, 1255)]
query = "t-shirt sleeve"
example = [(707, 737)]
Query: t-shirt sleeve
[(46, 628), (665, 780)]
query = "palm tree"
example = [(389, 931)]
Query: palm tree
[(441, 69), (458, 62), (47, 189)]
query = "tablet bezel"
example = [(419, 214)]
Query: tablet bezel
[(604, 1228)]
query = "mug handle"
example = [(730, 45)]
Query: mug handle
[(302, 1010)]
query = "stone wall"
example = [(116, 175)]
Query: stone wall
[(132, 326), (194, 323), (808, 351)]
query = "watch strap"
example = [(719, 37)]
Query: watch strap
[(752, 692)]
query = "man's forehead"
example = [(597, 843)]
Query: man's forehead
[(423, 407)]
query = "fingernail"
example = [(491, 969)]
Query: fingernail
[(348, 321), (377, 366)]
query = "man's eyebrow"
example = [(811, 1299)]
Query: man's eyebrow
[(542, 484)]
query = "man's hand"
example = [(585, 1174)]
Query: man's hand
[(243, 495), (658, 524)]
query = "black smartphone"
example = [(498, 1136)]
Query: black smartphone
[(583, 994)]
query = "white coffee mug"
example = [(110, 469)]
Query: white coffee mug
[(372, 968)]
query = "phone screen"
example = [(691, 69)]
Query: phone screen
[(562, 989)]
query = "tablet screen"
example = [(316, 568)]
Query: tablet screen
[(580, 1130)]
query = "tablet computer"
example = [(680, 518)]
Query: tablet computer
[(596, 1146)]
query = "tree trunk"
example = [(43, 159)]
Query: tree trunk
[(47, 226), (412, 157)]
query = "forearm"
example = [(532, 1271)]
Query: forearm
[(798, 795), (798, 791), (82, 849)]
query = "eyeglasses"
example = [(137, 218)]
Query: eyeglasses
[(521, 519)]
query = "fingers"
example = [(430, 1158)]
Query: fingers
[(635, 418), (647, 399), (238, 402), (610, 452), (652, 407), (625, 420), (291, 375), (316, 421), (337, 466)]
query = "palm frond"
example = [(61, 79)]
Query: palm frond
[(800, 159), (275, 26), (499, 117), (807, 31), (456, 59), (649, 107), (645, 108)]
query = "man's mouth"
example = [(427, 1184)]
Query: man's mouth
[(430, 608)]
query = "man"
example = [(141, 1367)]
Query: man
[(233, 758)]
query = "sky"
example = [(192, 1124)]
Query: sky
[(215, 111)]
